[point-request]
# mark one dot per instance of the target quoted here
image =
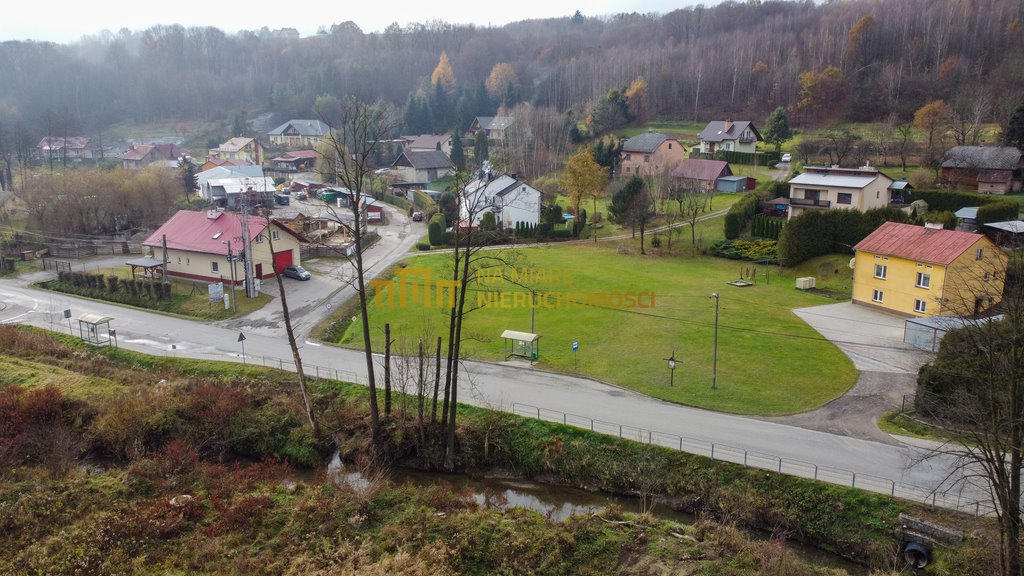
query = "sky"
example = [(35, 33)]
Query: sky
[(69, 20)]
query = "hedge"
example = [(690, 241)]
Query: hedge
[(819, 232), (998, 211), (740, 214), (435, 229), (943, 201)]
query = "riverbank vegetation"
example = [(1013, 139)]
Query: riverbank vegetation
[(196, 466)]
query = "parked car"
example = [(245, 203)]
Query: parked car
[(787, 158), (297, 272), (417, 216)]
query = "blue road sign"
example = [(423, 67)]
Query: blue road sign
[(575, 345)]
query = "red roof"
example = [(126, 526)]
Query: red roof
[(702, 169), (918, 243), (197, 232)]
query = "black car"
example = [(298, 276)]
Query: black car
[(297, 272)]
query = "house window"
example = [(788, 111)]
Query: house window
[(215, 267), (647, 157), (728, 145), (259, 239), (179, 259), (919, 306), (880, 271), (923, 280), (877, 296), (629, 157), (275, 235), (844, 198), (186, 262), (812, 195), (979, 254), (669, 145)]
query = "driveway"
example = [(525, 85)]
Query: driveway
[(888, 369)]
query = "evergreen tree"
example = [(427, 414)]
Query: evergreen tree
[(458, 155), (480, 148), (777, 129), (1013, 133)]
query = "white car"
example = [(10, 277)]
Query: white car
[(787, 158)]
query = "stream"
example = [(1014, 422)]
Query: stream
[(559, 503)]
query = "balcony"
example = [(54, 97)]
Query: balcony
[(745, 139), (809, 203)]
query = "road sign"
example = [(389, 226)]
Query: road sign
[(575, 345)]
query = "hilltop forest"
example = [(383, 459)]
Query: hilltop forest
[(855, 60)]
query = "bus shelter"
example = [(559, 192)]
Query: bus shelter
[(94, 329), (521, 345)]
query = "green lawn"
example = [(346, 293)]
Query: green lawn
[(189, 299), (769, 361)]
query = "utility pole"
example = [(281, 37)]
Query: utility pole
[(163, 241), (250, 285), (231, 263), (714, 361)]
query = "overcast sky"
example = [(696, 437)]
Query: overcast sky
[(69, 20)]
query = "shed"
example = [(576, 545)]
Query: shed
[(731, 184), (926, 333), (94, 329), (151, 267), (521, 345)]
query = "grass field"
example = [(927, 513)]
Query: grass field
[(192, 300), (763, 348)]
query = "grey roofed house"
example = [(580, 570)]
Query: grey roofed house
[(423, 160), (301, 128), (983, 157), (716, 130), (491, 123), (645, 143)]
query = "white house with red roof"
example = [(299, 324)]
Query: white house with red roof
[(198, 242), (927, 271)]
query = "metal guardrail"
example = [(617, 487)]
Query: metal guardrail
[(755, 459), (714, 450)]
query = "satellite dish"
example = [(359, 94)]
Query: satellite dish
[(853, 262)]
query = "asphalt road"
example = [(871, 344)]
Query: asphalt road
[(833, 457)]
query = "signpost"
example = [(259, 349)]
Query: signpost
[(241, 340), (575, 348), (216, 290), (67, 314)]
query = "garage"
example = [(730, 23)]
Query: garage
[(282, 259)]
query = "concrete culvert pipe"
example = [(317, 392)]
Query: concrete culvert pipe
[(916, 555)]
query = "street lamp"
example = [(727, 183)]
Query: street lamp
[(714, 362), (672, 368)]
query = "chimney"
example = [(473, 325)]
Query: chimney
[(728, 125), (933, 225), (212, 214)]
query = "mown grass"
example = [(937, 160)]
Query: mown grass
[(762, 349), (188, 299)]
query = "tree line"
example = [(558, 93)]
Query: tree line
[(856, 61)]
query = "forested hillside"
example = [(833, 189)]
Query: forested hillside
[(855, 60)]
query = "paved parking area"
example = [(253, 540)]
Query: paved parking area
[(888, 368)]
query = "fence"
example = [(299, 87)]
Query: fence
[(85, 249), (713, 450), (754, 459), (56, 265)]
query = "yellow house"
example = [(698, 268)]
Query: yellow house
[(198, 245), (927, 271), (650, 154)]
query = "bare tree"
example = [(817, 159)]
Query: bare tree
[(286, 314), (967, 116), (976, 387), (691, 198), (357, 130)]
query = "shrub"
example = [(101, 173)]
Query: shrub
[(946, 218), (819, 232), (753, 250), (112, 283), (740, 214), (423, 246), (656, 241), (999, 211), (436, 229)]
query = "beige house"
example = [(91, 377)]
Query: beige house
[(649, 154), (198, 245), (825, 188), (246, 149)]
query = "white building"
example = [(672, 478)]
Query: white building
[(510, 199)]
